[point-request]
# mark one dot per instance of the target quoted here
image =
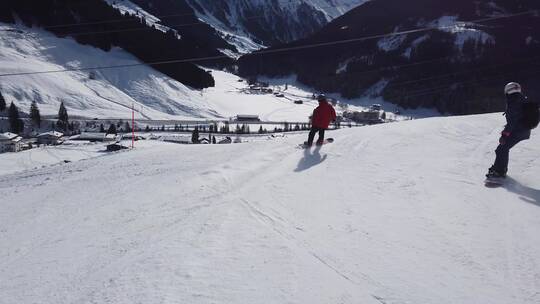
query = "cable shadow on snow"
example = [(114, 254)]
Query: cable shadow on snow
[(527, 194), (310, 159)]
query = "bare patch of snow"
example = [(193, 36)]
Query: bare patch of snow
[(343, 66), (391, 43), (463, 31)]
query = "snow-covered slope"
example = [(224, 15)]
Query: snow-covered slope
[(113, 91), (394, 213), (128, 7), (110, 94)]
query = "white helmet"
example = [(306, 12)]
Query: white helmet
[(512, 87)]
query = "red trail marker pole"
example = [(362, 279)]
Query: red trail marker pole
[(132, 125)]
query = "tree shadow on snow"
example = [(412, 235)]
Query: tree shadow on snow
[(310, 159), (527, 194)]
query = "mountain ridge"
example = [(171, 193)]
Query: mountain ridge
[(438, 67)]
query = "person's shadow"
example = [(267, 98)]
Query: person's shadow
[(527, 194), (310, 159)]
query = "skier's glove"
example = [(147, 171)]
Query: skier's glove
[(504, 137)]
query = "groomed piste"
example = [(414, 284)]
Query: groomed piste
[(395, 213)]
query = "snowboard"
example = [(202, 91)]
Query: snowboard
[(326, 141), (494, 182)]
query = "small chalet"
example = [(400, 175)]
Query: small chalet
[(242, 117), (50, 138), (366, 117), (95, 137), (10, 142)]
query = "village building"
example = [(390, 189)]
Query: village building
[(365, 117), (95, 137), (10, 142), (246, 118), (50, 138)]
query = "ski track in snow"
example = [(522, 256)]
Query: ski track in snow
[(395, 213)]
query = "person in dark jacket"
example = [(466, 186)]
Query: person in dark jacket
[(323, 115), (514, 131)]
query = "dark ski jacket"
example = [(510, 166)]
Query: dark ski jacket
[(514, 115), (323, 115)]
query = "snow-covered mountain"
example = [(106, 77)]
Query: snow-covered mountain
[(250, 24), (454, 56), (395, 213), (99, 93), (271, 22), (110, 93), (96, 23)]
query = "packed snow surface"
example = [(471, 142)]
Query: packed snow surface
[(395, 213)]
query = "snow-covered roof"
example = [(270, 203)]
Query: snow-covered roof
[(51, 134), (8, 136), (90, 135)]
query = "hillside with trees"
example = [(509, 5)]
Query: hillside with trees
[(94, 22), (451, 56)]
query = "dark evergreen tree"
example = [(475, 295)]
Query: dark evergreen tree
[(2, 103), (15, 122), (63, 118), (112, 129), (214, 140), (101, 128), (34, 114), (127, 127), (147, 129), (195, 135)]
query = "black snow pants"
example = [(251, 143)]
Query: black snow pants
[(503, 150), (312, 133)]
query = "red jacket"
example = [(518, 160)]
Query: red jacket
[(323, 115)]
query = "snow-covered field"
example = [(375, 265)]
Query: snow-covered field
[(45, 156), (362, 103), (393, 213)]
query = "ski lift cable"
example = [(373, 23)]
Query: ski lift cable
[(264, 52)]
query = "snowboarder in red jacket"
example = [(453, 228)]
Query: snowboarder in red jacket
[(323, 115)]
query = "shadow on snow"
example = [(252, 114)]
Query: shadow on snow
[(310, 159), (527, 194)]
